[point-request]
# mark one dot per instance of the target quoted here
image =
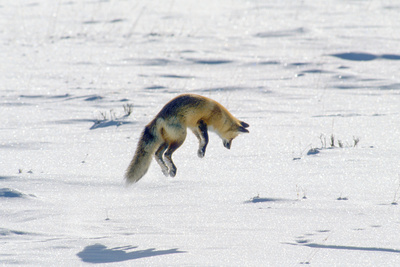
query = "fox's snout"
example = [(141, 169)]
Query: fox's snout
[(240, 129), (227, 144)]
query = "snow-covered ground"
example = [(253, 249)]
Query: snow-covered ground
[(299, 72)]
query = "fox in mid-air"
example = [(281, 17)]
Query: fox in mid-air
[(167, 132)]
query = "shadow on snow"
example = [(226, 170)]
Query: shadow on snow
[(372, 249), (108, 123), (258, 199), (99, 253), (12, 193), (355, 56)]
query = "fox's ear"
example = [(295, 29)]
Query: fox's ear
[(244, 125), (242, 129)]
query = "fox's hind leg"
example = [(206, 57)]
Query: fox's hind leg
[(168, 154), (201, 133), (159, 158), (175, 135)]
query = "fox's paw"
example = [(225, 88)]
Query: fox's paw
[(200, 153), (172, 173), (165, 172)]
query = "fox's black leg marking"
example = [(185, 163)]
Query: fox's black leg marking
[(168, 160), (203, 138), (197, 134), (159, 158)]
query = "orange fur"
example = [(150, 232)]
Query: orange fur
[(167, 132)]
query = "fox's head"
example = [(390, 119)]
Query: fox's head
[(232, 132)]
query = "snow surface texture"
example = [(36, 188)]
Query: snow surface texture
[(303, 74)]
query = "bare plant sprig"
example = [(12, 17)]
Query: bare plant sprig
[(128, 108), (356, 140), (340, 143), (323, 140), (332, 140), (111, 114), (300, 189), (396, 197)]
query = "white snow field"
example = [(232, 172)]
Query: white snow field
[(299, 72)]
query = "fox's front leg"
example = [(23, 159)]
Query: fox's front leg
[(202, 135)]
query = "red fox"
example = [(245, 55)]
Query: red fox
[(167, 132)]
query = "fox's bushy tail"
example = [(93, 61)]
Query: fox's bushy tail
[(140, 163)]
